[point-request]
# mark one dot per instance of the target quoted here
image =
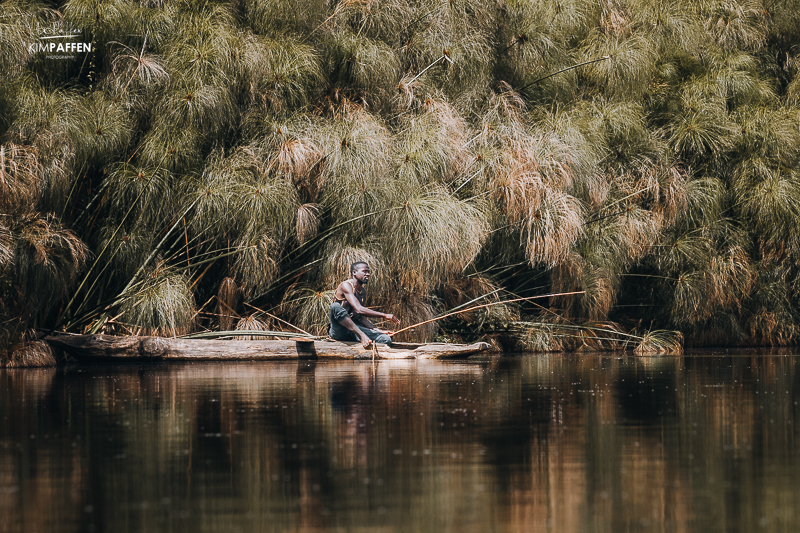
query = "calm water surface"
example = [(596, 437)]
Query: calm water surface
[(557, 443)]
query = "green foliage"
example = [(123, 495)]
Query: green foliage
[(163, 305), (702, 128), (100, 128), (458, 35), (208, 109), (384, 20), (137, 70), (643, 153), (127, 244), (737, 24), (282, 73), (431, 145), (630, 65), (355, 179), (175, 148), (434, 234), (371, 68), (308, 308), (17, 21), (150, 188), (103, 20), (236, 197), (204, 50), (669, 25), (267, 17)]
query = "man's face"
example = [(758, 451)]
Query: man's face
[(361, 273)]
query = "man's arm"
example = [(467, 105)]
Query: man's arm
[(349, 324), (359, 309), (369, 325)]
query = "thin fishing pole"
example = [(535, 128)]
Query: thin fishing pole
[(483, 306)]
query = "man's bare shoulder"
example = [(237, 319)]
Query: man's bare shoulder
[(345, 287)]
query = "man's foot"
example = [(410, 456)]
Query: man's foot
[(365, 341)]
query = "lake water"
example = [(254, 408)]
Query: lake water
[(562, 443)]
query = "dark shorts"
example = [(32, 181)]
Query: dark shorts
[(340, 333)]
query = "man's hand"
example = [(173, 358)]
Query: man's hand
[(391, 318)]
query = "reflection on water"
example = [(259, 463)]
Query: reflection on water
[(530, 443)]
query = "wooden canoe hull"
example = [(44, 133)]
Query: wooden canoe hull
[(109, 347)]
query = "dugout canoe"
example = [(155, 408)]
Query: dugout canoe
[(88, 348)]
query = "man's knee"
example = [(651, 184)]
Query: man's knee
[(338, 313), (383, 338)]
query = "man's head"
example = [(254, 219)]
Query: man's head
[(360, 271)]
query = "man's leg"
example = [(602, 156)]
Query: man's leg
[(343, 328), (380, 338)]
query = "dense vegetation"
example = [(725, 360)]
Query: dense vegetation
[(210, 163)]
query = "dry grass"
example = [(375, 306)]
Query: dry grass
[(731, 276), (138, 69), (308, 308), (49, 257), (552, 227), (740, 24), (539, 338), (615, 19), (336, 267), (518, 185), (163, 306), (669, 190), (435, 234), (250, 323), (635, 231), (771, 328), (16, 21), (577, 274), (307, 222), (411, 307), (20, 178), (31, 354), (459, 291), (297, 159), (228, 297), (660, 342), (6, 245), (255, 266)]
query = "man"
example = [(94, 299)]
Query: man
[(348, 315)]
